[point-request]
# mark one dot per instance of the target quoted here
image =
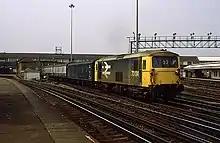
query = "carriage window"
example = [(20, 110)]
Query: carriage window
[(164, 62), (215, 73), (144, 64)]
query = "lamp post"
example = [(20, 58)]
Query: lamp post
[(137, 39), (71, 32)]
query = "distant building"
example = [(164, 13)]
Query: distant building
[(12, 62), (188, 60), (21, 61), (209, 59)]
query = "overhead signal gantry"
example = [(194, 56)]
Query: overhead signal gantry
[(155, 41)]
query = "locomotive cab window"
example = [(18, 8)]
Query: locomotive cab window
[(164, 62), (144, 64)]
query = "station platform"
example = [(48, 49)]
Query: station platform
[(25, 118), (9, 76)]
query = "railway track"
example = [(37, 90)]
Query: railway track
[(186, 101), (150, 121), (204, 93), (196, 102), (197, 82), (90, 119)]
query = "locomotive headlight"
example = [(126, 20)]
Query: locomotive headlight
[(152, 76), (153, 72), (177, 72)]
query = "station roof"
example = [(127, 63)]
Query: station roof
[(206, 65), (208, 59), (190, 59)]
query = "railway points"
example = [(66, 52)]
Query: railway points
[(201, 128), (194, 87), (93, 119), (201, 82), (26, 118)]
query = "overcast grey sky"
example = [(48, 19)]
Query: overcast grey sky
[(101, 26)]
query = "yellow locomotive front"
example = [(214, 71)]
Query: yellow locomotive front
[(161, 74)]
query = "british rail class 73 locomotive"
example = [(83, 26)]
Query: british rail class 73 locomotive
[(152, 74)]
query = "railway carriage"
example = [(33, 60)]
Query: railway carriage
[(81, 73), (47, 71), (153, 73), (59, 70), (54, 71)]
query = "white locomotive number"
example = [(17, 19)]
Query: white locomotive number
[(134, 73)]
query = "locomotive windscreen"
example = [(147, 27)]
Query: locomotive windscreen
[(164, 62)]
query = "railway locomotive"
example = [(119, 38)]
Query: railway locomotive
[(151, 74)]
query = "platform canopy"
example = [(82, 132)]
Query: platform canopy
[(209, 59)]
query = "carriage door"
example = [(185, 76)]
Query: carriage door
[(135, 71), (140, 70), (99, 70)]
